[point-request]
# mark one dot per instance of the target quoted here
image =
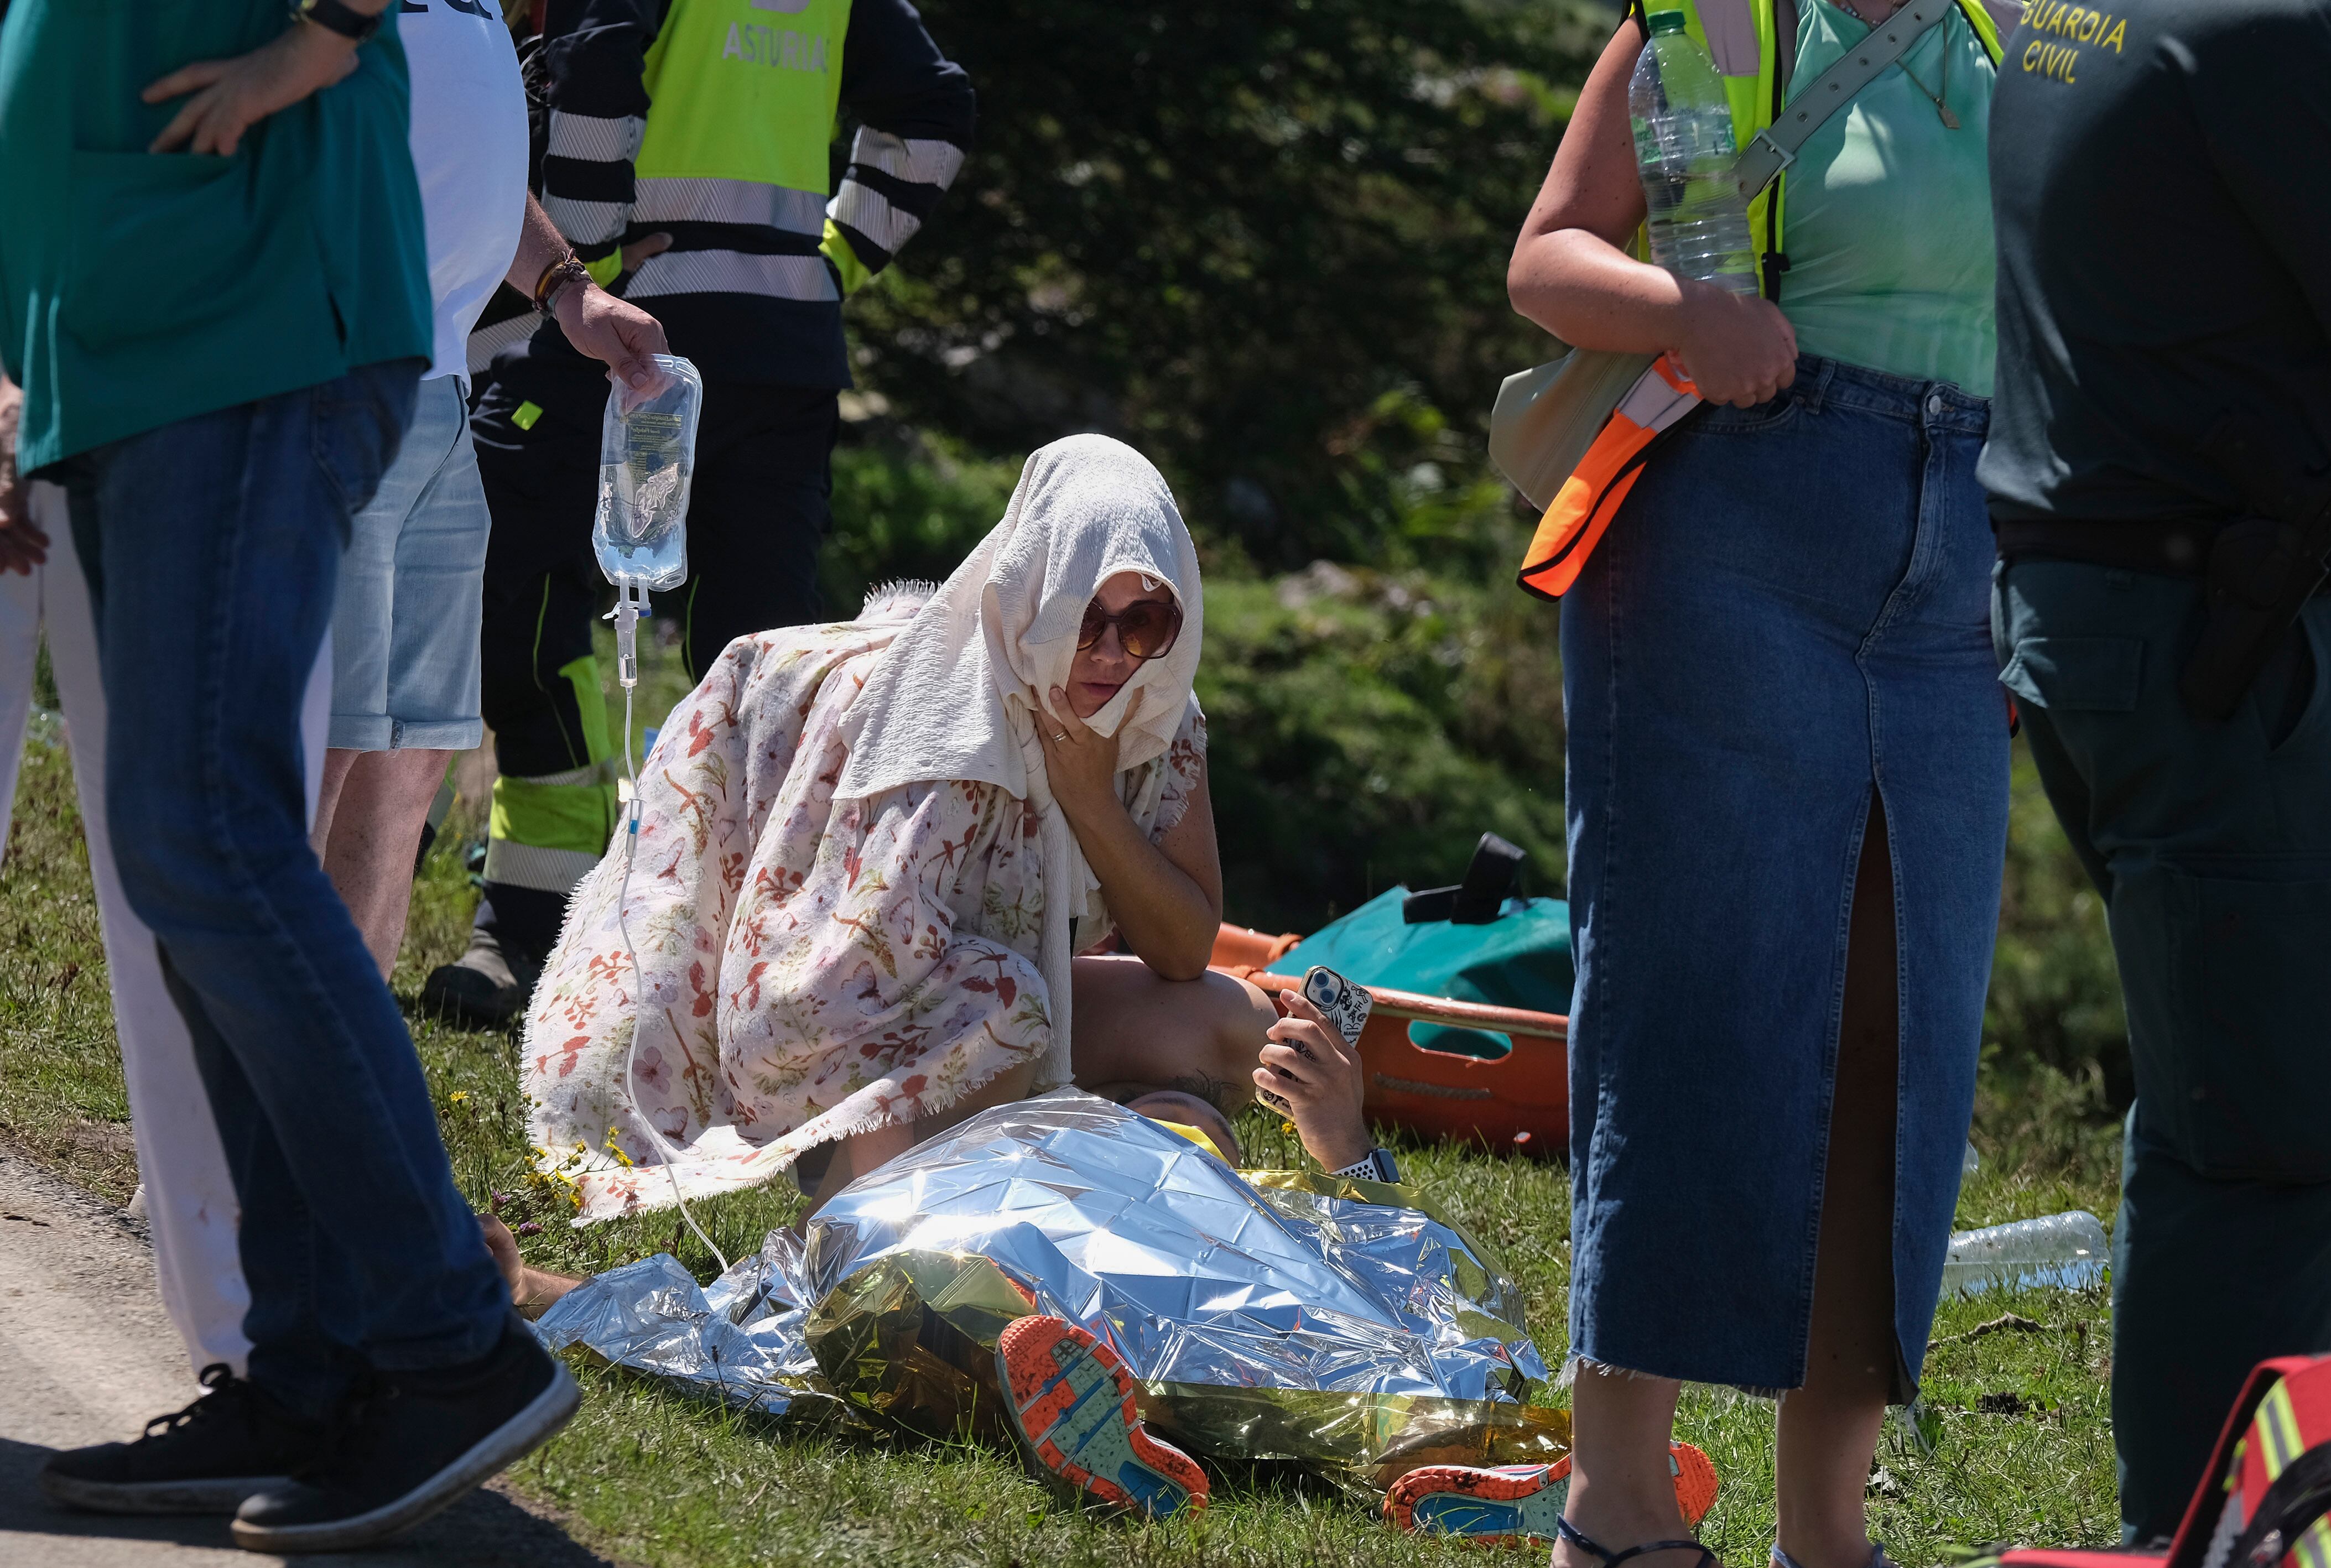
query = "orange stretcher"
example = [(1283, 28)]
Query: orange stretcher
[(1518, 1102)]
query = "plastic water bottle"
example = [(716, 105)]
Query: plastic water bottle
[(647, 456), (1685, 150), (2066, 1250)]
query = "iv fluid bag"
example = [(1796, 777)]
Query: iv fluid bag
[(647, 456)]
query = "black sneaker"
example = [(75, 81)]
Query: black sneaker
[(232, 1442), (414, 1443), (487, 986)]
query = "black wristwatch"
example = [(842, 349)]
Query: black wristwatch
[(335, 17)]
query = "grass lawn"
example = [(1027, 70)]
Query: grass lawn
[(2025, 1448)]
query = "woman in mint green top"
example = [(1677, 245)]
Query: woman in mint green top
[(1888, 209), (1786, 780)]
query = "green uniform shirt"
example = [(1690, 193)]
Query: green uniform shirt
[(1888, 221), (2165, 253), (140, 288)]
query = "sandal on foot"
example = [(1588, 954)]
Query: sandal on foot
[(1521, 1502), (1878, 1558), (1587, 1544), (1071, 1403)]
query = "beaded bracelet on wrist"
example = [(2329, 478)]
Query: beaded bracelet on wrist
[(555, 278)]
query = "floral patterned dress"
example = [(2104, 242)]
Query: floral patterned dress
[(808, 970)]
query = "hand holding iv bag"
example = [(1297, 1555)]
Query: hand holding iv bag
[(647, 456)]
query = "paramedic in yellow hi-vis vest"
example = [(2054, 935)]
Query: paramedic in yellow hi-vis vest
[(2160, 480), (1780, 697), (688, 159)]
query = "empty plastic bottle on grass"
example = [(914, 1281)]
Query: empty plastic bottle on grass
[(647, 455), (1684, 150), (2068, 1250)]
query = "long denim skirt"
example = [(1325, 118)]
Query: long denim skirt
[(1790, 611)]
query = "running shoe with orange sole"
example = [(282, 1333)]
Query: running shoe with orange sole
[(1521, 1502), (1072, 1407)]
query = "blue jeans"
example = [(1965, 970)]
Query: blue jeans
[(2212, 846), (1790, 611), (211, 547)]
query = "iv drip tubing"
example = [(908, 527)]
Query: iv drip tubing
[(627, 666)]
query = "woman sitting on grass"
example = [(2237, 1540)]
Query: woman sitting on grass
[(867, 853)]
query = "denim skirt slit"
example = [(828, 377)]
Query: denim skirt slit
[(1789, 612)]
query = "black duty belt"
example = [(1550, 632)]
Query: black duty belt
[(2179, 547)]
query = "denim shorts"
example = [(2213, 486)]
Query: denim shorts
[(1790, 610), (405, 623)]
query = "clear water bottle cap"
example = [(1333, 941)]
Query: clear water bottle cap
[(1667, 22)]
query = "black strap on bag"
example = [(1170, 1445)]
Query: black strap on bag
[(1480, 898), (2261, 571)]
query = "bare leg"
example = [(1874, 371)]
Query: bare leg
[(370, 825), (532, 1290), (338, 760), (1202, 1036), (1829, 1429), (1621, 1493)]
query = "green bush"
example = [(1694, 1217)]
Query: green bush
[(905, 506), (1366, 728)]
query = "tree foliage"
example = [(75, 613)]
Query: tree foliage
[(1265, 240)]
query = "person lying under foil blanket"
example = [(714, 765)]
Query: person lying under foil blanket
[(1098, 1285)]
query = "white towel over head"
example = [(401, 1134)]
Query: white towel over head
[(960, 691)]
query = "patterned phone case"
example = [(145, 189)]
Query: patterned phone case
[(1345, 1004)]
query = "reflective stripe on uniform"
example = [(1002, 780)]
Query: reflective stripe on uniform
[(519, 865), (927, 163), (871, 215), (593, 138), (733, 273), (672, 199), (488, 341), (586, 223)]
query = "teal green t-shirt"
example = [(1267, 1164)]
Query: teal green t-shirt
[(1887, 221), (139, 288)]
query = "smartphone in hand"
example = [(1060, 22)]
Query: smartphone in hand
[(1345, 1004)]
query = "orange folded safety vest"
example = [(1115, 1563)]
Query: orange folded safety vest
[(1572, 526)]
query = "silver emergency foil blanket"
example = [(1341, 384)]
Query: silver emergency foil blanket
[(1347, 1325)]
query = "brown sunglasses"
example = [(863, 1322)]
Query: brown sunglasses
[(1145, 628)]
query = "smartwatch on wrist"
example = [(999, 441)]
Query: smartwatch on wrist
[(1377, 1167), (335, 17)]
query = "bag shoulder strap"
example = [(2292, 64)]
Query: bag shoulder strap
[(1775, 148)]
